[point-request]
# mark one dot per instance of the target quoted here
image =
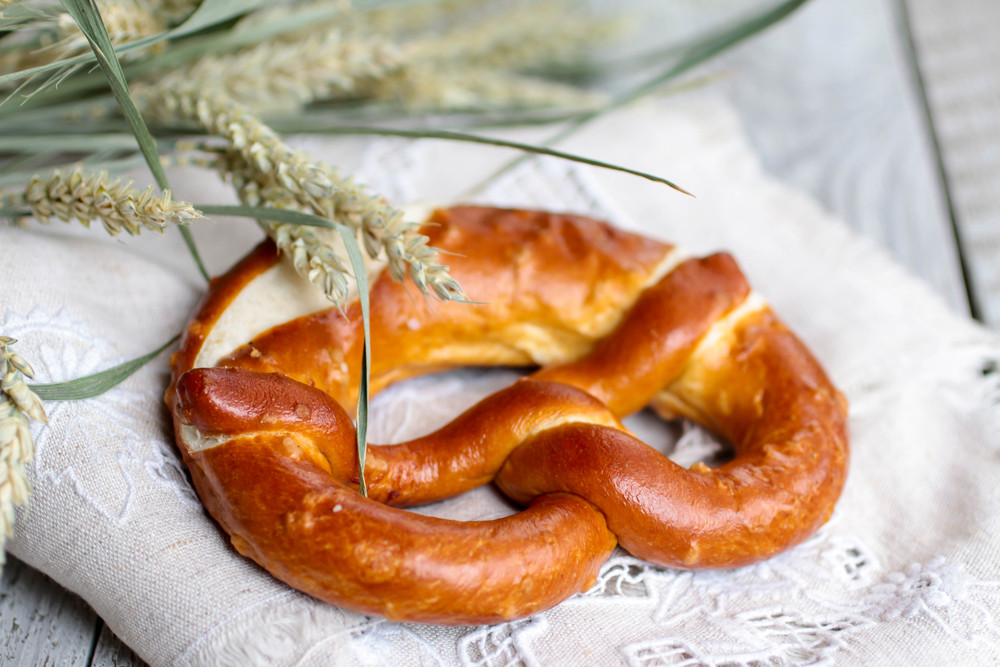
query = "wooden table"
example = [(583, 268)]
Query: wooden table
[(887, 111)]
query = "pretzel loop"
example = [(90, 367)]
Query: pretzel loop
[(616, 323)]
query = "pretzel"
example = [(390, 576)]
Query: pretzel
[(614, 322)]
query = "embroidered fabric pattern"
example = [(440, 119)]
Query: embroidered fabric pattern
[(68, 449)]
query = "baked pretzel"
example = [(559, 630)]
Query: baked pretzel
[(615, 322)]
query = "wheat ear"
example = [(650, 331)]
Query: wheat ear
[(18, 404)]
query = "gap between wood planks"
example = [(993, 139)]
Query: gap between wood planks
[(917, 76)]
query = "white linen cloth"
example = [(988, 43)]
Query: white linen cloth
[(906, 572)]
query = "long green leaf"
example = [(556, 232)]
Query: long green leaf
[(87, 17), (214, 12), (360, 276), (14, 212), (53, 117), (75, 61), (68, 142), (28, 163), (449, 135), (708, 47), (94, 385), (268, 213), (18, 179)]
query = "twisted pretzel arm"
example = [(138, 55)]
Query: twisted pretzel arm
[(307, 424), (657, 335), (763, 391), (281, 486)]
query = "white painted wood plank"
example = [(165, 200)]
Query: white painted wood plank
[(958, 50), (42, 623), (830, 105), (112, 652)]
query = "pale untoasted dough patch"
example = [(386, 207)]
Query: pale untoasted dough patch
[(280, 294), (714, 348)]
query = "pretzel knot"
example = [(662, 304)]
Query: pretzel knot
[(615, 322)]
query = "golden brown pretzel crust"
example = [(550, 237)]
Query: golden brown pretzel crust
[(583, 301)]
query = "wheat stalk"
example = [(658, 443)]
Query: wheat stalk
[(126, 21), (470, 65), (460, 88), (476, 63), (527, 35), (312, 258), (18, 404), (266, 171), (89, 197), (276, 76), (55, 37), (414, 18), (383, 229)]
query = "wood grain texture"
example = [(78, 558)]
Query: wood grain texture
[(42, 623), (957, 50), (112, 652), (829, 104)]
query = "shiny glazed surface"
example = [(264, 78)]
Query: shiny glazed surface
[(586, 303)]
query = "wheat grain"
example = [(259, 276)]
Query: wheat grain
[(125, 20), (277, 76), (472, 64), (95, 197), (405, 20), (266, 171), (525, 35), (458, 88), (18, 404), (475, 63)]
